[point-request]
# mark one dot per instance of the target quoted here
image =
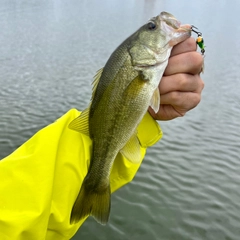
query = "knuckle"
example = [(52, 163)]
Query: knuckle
[(175, 97), (197, 62), (200, 84), (183, 81), (196, 98)]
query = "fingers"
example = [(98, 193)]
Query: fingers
[(176, 104), (190, 62), (181, 86), (185, 59), (181, 82), (183, 101), (179, 93), (179, 99), (166, 112), (188, 45)]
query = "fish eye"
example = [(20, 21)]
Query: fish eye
[(151, 26)]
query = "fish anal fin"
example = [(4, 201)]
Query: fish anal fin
[(81, 123), (132, 151), (155, 101), (94, 203)]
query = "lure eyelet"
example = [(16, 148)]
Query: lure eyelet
[(199, 40)]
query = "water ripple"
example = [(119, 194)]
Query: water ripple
[(188, 185)]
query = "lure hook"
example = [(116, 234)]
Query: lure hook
[(193, 29), (200, 41)]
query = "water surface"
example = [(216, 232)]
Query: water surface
[(188, 184)]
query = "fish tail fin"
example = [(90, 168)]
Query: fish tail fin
[(90, 202)]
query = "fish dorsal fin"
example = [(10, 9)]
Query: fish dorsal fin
[(132, 151), (81, 123), (155, 101), (96, 81)]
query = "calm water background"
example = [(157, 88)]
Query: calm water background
[(189, 184)]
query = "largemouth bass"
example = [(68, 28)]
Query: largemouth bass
[(122, 93)]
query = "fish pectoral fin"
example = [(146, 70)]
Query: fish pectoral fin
[(155, 101), (81, 123), (132, 151)]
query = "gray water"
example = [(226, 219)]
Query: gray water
[(188, 186)]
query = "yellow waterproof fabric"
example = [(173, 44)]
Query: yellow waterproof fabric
[(39, 182)]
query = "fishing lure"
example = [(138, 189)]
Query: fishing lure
[(199, 40)]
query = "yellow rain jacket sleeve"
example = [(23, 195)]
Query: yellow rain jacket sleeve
[(40, 181)]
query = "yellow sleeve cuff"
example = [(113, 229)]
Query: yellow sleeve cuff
[(41, 179)]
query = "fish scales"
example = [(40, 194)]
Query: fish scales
[(122, 93)]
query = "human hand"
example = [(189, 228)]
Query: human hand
[(181, 85)]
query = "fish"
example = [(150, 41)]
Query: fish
[(122, 92)]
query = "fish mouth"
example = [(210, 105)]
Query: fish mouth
[(169, 19), (173, 28), (181, 34)]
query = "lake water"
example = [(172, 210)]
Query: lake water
[(188, 186)]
